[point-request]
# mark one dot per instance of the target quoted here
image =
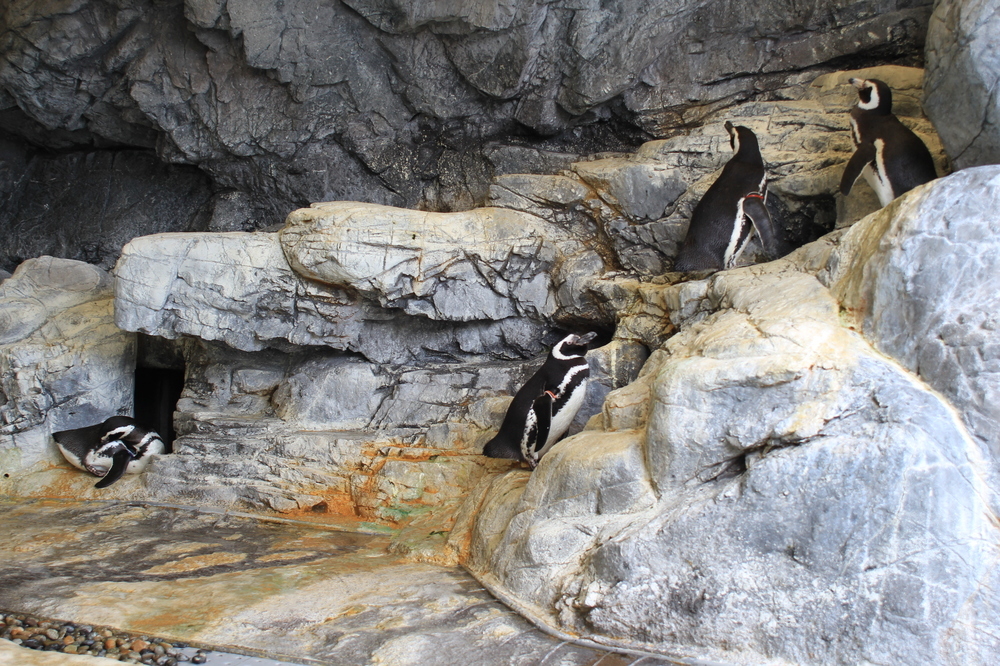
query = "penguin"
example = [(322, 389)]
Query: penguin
[(732, 207), (544, 407), (887, 153), (110, 449)]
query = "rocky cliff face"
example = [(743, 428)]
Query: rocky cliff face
[(261, 108), (792, 462), (772, 488)]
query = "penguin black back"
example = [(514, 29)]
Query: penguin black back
[(891, 157), (541, 409), (719, 231)]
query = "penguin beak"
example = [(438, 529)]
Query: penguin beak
[(857, 83), (730, 128), (585, 338)]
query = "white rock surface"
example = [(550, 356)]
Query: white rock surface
[(921, 279), (483, 264), (773, 489), (237, 288), (63, 362)]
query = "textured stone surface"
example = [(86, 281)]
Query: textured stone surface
[(329, 436), (766, 436), (285, 590), (86, 205), (962, 91), (237, 288), (63, 362), (920, 280), (484, 264), (17, 656), (397, 104), (640, 204)]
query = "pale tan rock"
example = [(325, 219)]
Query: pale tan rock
[(483, 264), (642, 203)]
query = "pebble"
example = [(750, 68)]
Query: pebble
[(69, 638)]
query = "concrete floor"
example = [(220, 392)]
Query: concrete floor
[(281, 590)]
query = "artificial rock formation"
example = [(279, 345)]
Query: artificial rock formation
[(640, 204), (779, 459), (63, 362), (925, 292), (772, 489), (962, 91), (443, 317), (394, 103), (237, 288), (485, 264)]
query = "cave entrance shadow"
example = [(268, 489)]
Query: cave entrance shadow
[(159, 380)]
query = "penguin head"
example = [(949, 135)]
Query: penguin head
[(873, 95), (743, 141), (572, 346)]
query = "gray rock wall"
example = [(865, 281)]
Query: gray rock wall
[(926, 294), (776, 487), (962, 91), (285, 103), (63, 362)]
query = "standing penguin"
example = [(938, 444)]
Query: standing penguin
[(891, 157), (110, 449), (731, 208), (543, 408)]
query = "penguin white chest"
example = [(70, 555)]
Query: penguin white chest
[(150, 445), (877, 177), (561, 420)]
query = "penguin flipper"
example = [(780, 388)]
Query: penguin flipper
[(755, 210), (543, 414), (862, 157), (120, 463), (539, 425)]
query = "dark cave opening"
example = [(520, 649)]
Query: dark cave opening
[(159, 379), (157, 391)]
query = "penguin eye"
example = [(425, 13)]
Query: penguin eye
[(865, 94)]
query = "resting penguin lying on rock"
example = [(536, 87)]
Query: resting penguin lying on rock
[(118, 446), (543, 408), (887, 153), (732, 207)]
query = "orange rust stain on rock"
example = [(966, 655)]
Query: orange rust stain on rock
[(332, 505), (196, 562)]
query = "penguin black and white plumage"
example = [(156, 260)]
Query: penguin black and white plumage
[(119, 445), (730, 210), (544, 407), (886, 152)]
